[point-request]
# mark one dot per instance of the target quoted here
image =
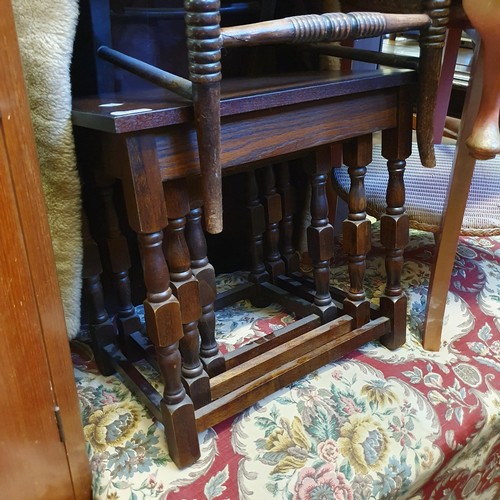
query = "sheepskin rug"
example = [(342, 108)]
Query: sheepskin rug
[(46, 30)]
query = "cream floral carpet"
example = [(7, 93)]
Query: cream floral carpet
[(406, 424)]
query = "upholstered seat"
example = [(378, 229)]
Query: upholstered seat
[(426, 191)]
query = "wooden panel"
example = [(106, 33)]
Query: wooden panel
[(29, 440), (281, 131), (35, 364)]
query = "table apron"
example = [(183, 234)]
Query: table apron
[(273, 133)]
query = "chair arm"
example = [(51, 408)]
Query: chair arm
[(327, 27)]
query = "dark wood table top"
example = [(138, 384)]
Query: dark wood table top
[(128, 112)]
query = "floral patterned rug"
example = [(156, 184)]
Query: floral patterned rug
[(376, 424)]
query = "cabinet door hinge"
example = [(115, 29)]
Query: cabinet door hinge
[(57, 412)]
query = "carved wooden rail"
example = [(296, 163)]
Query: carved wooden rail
[(327, 27)]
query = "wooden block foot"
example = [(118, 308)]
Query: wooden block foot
[(292, 263), (214, 365), (275, 269), (359, 310), (129, 324), (102, 335), (198, 389), (395, 309), (126, 327), (326, 313), (259, 277), (180, 432)]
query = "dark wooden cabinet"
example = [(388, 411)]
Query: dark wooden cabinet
[(42, 450)]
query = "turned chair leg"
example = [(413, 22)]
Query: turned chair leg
[(431, 49)]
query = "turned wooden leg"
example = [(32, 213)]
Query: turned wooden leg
[(147, 216), (186, 289), (287, 193), (102, 329), (272, 207), (257, 218), (431, 50), (394, 227), (357, 228), (127, 320), (204, 42), (203, 271), (164, 326), (320, 239)]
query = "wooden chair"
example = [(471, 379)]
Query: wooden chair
[(437, 201), (431, 46), (150, 144), (479, 138)]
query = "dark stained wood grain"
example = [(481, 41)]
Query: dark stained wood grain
[(102, 329), (186, 288), (288, 203), (269, 122), (275, 339), (256, 221), (275, 134), (271, 201), (394, 225), (212, 359), (293, 349), (252, 392), (162, 108), (127, 319), (356, 228), (320, 240)]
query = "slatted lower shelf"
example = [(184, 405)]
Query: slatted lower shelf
[(255, 378)]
